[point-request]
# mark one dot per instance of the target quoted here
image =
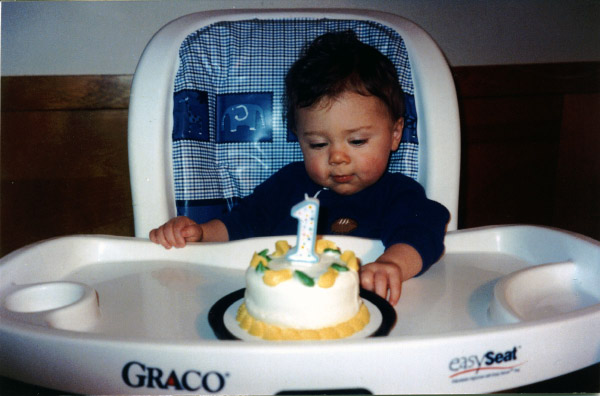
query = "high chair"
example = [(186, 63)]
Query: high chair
[(504, 307), (205, 71)]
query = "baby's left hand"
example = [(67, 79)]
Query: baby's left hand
[(381, 277)]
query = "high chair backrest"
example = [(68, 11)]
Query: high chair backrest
[(206, 121)]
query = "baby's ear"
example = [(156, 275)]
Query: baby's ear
[(397, 133)]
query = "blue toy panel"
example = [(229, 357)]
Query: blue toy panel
[(229, 129)]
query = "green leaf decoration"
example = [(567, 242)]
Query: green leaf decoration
[(339, 268), (307, 280), (261, 267), (338, 251), (265, 254)]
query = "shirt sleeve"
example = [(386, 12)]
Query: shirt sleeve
[(417, 221)]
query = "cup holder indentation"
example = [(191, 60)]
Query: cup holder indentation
[(44, 297), (61, 305)]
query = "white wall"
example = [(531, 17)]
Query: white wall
[(53, 38)]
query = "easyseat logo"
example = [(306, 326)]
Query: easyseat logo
[(489, 364), (138, 375)]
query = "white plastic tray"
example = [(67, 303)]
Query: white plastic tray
[(505, 307)]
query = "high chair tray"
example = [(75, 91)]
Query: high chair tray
[(505, 307)]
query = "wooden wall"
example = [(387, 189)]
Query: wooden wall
[(530, 151), (530, 145), (64, 158)]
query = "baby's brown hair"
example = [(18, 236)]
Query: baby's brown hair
[(338, 62)]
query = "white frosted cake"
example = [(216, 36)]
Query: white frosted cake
[(287, 300)]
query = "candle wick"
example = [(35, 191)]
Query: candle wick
[(318, 192)]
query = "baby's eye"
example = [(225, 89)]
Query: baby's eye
[(358, 142), (317, 145)]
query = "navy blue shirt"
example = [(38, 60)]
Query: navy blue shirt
[(394, 210)]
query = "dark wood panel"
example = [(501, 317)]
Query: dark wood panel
[(510, 183), (63, 172), (578, 177), (37, 209), (509, 159), (64, 144), (26, 93), (535, 79), (529, 145), (511, 119)]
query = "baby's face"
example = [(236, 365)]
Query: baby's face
[(347, 141)]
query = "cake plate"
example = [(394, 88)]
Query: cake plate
[(505, 307), (222, 317)]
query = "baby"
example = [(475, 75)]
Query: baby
[(346, 107)]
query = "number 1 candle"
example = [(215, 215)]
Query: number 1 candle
[(307, 213)]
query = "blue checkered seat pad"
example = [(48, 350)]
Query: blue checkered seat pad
[(229, 127)]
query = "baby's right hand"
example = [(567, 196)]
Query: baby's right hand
[(177, 232)]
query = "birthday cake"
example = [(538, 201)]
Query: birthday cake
[(287, 299)]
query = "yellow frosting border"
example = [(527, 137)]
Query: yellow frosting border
[(275, 333)]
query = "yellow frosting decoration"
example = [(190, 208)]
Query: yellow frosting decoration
[(345, 330), (323, 244), (287, 333), (257, 328), (350, 259), (276, 333), (328, 278), (273, 278), (281, 248), (246, 322), (257, 258), (272, 333)]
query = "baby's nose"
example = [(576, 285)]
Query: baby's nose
[(338, 156)]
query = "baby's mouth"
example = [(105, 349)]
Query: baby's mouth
[(342, 178)]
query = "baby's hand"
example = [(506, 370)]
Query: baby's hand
[(381, 277), (177, 232)]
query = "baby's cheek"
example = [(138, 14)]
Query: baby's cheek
[(374, 166), (315, 170)]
